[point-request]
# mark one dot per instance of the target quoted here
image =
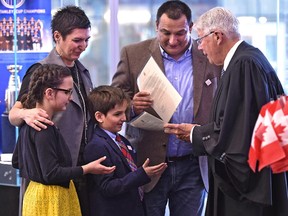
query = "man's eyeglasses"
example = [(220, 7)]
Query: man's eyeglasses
[(66, 91), (199, 40)]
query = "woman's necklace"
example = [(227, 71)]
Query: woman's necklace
[(78, 88), (77, 77)]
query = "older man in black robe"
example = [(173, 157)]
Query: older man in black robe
[(248, 82)]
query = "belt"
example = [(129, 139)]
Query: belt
[(181, 158)]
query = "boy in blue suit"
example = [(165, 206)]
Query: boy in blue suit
[(120, 192)]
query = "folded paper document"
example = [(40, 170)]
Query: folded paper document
[(165, 97)]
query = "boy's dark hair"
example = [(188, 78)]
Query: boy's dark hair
[(174, 10), (104, 98), (67, 19), (45, 76)]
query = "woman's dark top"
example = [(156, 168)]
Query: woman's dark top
[(43, 156)]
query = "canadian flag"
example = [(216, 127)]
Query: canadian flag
[(269, 144), (280, 124)]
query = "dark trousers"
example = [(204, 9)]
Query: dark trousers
[(81, 188), (182, 186)]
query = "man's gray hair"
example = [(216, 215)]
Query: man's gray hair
[(218, 19)]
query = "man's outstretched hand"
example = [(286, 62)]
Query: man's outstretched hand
[(182, 131)]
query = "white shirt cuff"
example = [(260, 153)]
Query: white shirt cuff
[(191, 133)]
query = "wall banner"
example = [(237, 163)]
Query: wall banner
[(26, 37)]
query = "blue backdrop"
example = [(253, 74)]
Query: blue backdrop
[(25, 38)]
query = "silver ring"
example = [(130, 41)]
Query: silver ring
[(35, 120)]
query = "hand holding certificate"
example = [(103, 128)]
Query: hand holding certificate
[(148, 122), (164, 95)]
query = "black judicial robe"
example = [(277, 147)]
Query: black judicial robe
[(248, 83)]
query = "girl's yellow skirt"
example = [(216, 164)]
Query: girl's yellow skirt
[(50, 200)]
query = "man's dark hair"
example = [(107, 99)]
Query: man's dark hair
[(174, 10), (67, 19)]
